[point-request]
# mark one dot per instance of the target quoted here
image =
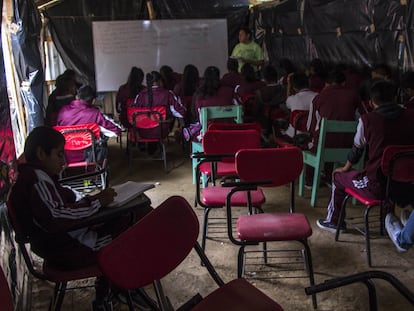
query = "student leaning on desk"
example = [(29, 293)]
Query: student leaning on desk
[(46, 210)]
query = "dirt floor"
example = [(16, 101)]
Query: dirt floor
[(330, 259)]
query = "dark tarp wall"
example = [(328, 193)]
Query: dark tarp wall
[(7, 151), (357, 32), (8, 257), (71, 23), (26, 54)]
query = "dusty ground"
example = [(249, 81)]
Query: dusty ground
[(330, 259)]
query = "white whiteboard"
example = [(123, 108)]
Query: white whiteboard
[(119, 45)]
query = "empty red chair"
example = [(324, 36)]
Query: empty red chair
[(142, 255), (220, 147), (268, 168)]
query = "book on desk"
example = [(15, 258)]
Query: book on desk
[(128, 191)]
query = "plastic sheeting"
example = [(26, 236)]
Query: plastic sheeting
[(358, 32), (71, 23), (26, 54), (7, 151)]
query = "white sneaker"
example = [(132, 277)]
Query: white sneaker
[(405, 214), (394, 227)]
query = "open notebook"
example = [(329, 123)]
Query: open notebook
[(128, 191)]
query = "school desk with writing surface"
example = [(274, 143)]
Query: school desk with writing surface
[(107, 213)]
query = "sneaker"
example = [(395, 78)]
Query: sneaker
[(405, 214), (326, 225), (186, 134), (394, 227)]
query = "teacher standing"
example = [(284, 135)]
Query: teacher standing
[(248, 51)]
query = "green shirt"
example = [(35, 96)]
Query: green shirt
[(249, 50)]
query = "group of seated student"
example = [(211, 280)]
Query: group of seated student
[(46, 211), (387, 124)]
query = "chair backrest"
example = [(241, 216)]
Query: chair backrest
[(22, 239), (230, 141), (280, 166), (146, 117), (332, 154), (397, 165), (234, 126), (153, 247), (79, 137), (5, 294), (234, 112), (149, 123)]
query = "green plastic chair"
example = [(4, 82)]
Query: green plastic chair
[(214, 112), (336, 155)]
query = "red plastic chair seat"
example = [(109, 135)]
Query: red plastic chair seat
[(223, 168), (237, 295), (273, 227), (216, 197), (362, 199)]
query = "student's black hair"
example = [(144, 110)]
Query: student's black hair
[(86, 93), (383, 92), (44, 137), (407, 80), (247, 31), (299, 81), (190, 80), (247, 72), (336, 76), (153, 76), (382, 69), (270, 73), (232, 64), (167, 74), (135, 79), (211, 82)]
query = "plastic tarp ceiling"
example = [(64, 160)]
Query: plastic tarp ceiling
[(358, 32)]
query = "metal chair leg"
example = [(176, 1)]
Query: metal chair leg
[(341, 219), (240, 262), (309, 266)]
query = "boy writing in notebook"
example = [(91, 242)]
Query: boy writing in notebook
[(46, 210)]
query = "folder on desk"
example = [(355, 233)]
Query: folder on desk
[(128, 191)]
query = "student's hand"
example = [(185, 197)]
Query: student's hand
[(106, 196)]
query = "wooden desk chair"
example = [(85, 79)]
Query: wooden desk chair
[(234, 112), (324, 155)]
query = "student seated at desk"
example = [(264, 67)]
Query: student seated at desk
[(46, 210)]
